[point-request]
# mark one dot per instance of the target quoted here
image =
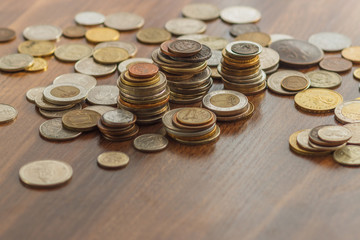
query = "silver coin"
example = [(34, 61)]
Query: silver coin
[(118, 117), (33, 92), (86, 81), (53, 130), (278, 36), (123, 66), (182, 26), (348, 112), (150, 142), (89, 18), (269, 58), (7, 113), (324, 79), (348, 155), (334, 134), (124, 21), (103, 95), (238, 29), (63, 94), (355, 132), (240, 14), (128, 46), (73, 52), (42, 32), (330, 41), (274, 81), (59, 113), (15, 62), (100, 109), (201, 11), (42, 104), (90, 67), (231, 52), (215, 59)]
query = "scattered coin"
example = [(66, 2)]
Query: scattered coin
[(37, 48), (7, 113), (58, 113), (39, 64), (335, 64), (150, 142), (33, 92), (89, 18), (238, 29), (74, 32), (351, 54), (53, 130), (153, 35), (269, 60), (42, 32), (124, 21), (259, 37), (123, 66), (277, 37), (334, 134), (86, 81), (64, 94), (182, 26), (201, 11), (81, 120), (110, 55), (41, 103), (330, 41), (275, 79), (7, 34), (143, 70), (348, 112), (15, 62), (302, 140), (101, 34), (90, 67), (113, 160), (295, 83), (118, 118), (240, 14), (128, 46), (348, 155), (355, 132), (100, 109), (357, 73), (213, 42), (73, 52), (294, 146), (324, 79), (103, 95)]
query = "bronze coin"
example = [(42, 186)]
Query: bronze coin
[(143, 70), (81, 120), (201, 56), (294, 83), (245, 48), (184, 48), (74, 32), (335, 64), (164, 48), (314, 137), (7, 34), (238, 29), (297, 52)]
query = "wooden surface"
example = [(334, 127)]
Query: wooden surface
[(248, 185)]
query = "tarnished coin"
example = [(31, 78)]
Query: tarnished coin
[(201, 11), (240, 14), (7, 34), (279, 36), (37, 48), (41, 103), (259, 37), (73, 52), (355, 133), (42, 32), (53, 130), (215, 59), (202, 56), (123, 66), (128, 46), (324, 79), (74, 32), (150, 142), (7, 113), (318, 100), (90, 67), (295, 83), (295, 147), (86, 81), (274, 81), (351, 54), (356, 74), (15, 62), (103, 95), (33, 92), (348, 155), (63, 94), (194, 116), (297, 52), (213, 42), (334, 134), (101, 34), (348, 112), (269, 58), (302, 140), (113, 160), (110, 55), (89, 18), (124, 21), (182, 26), (238, 29), (100, 109), (143, 70), (81, 120), (330, 41), (335, 64), (118, 118), (58, 113), (39, 64), (45, 173)]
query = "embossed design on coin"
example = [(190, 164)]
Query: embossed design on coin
[(143, 70), (80, 120), (15, 62), (103, 95), (123, 66), (90, 67), (83, 80), (194, 116), (7, 113), (245, 48), (150, 142), (184, 47), (334, 134), (42, 32), (53, 130), (348, 112), (118, 118), (348, 155), (37, 48), (113, 160), (225, 102), (317, 100), (295, 83), (324, 79)]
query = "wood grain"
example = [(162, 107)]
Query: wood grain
[(248, 185)]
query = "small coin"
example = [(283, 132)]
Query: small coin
[(182, 26), (53, 130), (184, 47), (330, 41), (110, 55), (240, 14), (86, 81), (295, 83), (335, 64), (42, 32), (201, 11), (89, 18), (37, 48), (143, 70), (103, 95), (101, 34), (113, 160), (194, 116), (355, 132), (311, 100), (80, 120), (278, 36), (90, 67), (274, 81), (100, 109), (58, 113), (74, 32), (238, 29), (259, 37), (150, 142), (269, 58), (348, 155), (124, 21), (39, 64), (348, 112), (63, 94), (351, 54), (356, 74), (15, 62), (324, 79), (128, 46), (7, 34), (334, 134), (7, 113), (123, 66), (33, 92), (118, 118), (45, 173), (73, 52)]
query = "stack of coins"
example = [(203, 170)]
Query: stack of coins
[(228, 105), (118, 125), (143, 91), (191, 125), (240, 68), (184, 64)]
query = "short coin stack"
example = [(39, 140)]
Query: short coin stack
[(118, 125), (143, 91), (191, 125), (240, 68), (184, 64)]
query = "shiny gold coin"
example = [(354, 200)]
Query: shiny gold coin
[(295, 147), (37, 48), (352, 54), (348, 155), (113, 159), (261, 38), (153, 35), (40, 64), (318, 100), (101, 34), (194, 116), (81, 120), (110, 55), (357, 73)]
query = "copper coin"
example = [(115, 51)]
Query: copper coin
[(184, 48), (294, 83), (143, 70), (74, 32), (164, 48), (335, 64), (297, 52), (7, 34), (238, 29)]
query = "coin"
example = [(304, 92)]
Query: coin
[(118, 118), (269, 58), (33, 92), (348, 112), (351, 54), (194, 116), (240, 14), (324, 79), (202, 56), (37, 48), (39, 64), (184, 47), (74, 32), (124, 21), (110, 55), (103, 95), (182, 26), (238, 29), (297, 52), (7, 113), (302, 140), (41, 103), (277, 37), (295, 83), (318, 100), (113, 159), (150, 142), (58, 113), (334, 134), (53, 130), (335, 64), (73, 52), (201, 11), (100, 109), (274, 81), (90, 67), (356, 74), (215, 58), (80, 120), (86, 81), (128, 46), (101, 34), (259, 37), (355, 132), (63, 94), (295, 147), (15, 62), (330, 41), (7, 34), (45, 173), (123, 66), (89, 18), (213, 42), (143, 70), (348, 155), (42, 32)]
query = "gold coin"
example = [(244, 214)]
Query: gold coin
[(318, 100), (348, 155), (261, 38), (113, 159), (352, 54), (348, 112), (73, 52), (81, 120), (37, 48), (40, 64), (101, 34), (357, 73), (110, 55), (153, 35), (194, 116), (295, 147)]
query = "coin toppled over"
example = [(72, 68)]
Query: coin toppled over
[(113, 160), (324, 79), (348, 112), (150, 142)]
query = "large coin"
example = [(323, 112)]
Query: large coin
[(182, 26), (113, 160), (110, 55), (73, 52), (33, 92), (86, 81), (335, 64), (128, 46), (42, 32), (351, 54), (7, 34), (238, 29), (201, 11), (53, 130), (15, 62), (89, 18), (348, 155), (150, 142), (63, 94), (81, 120), (355, 132), (318, 100), (330, 41), (37, 48), (124, 21), (74, 32), (334, 134), (90, 67), (103, 95), (348, 112), (324, 79), (7, 113), (101, 34), (274, 81), (240, 14)]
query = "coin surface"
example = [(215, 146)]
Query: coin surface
[(143, 70), (58, 113), (269, 58), (297, 149), (330, 41), (123, 66), (63, 94), (80, 120), (100, 109), (302, 140), (39, 64), (259, 37), (324, 79), (150, 142), (15, 62), (334, 134), (201, 11), (89, 18), (128, 46), (124, 21), (110, 55), (318, 100), (184, 47), (103, 95), (240, 14), (213, 42), (113, 159), (90, 67), (238, 29), (33, 92), (73, 52), (274, 81), (7, 34), (7, 113), (348, 155), (86, 81), (118, 118), (194, 116), (182, 26), (355, 133), (53, 130), (335, 64), (348, 112), (37, 48), (42, 32), (356, 74), (351, 54), (41, 103), (101, 34), (295, 83), (74, 32)]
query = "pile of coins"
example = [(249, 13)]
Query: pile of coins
[(240, 68), (118, 125), (143, 91), (288, 82), (184, 64), (191, 125), (228, 105)]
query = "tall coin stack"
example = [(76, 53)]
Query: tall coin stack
[(184, 64), (240, 68), (143, 91)]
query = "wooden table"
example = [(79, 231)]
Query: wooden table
[(248, 185)]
